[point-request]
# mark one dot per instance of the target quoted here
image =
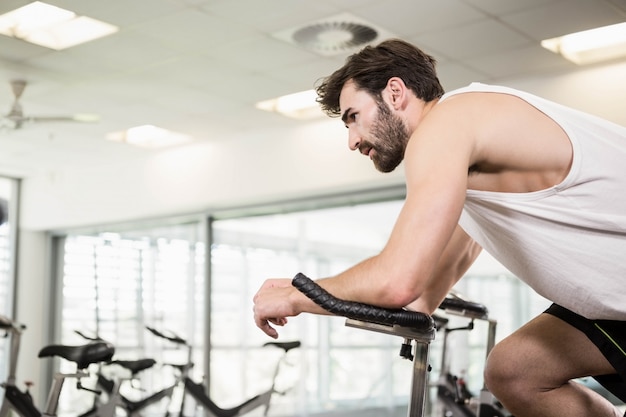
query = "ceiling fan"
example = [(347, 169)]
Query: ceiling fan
[(16, 119)]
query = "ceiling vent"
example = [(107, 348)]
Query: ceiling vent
[(334, 35)]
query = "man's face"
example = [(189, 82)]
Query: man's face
[(389, 139), (373, 129)]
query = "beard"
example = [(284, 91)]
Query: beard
[(391, 136)]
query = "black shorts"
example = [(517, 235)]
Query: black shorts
[(610, 337)]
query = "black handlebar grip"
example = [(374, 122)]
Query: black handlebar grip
[(360, 311)]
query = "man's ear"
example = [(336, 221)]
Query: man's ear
[(396, 90)]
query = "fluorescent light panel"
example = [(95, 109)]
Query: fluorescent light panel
[(52, 27), (589, 46), (149, 136), (302, 105)]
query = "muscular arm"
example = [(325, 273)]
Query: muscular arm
[(425, 239), (459, 255), (425, 244)]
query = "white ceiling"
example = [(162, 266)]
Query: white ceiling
[(199, 66)]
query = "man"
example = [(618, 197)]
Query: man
[(538, 185)]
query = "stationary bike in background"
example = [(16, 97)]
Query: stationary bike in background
[(21, 402), (454, 399), (110, 386), (197, 391)]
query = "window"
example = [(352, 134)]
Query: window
[(8, 200), (339, 368), (329, 372), (114, 284), (8, 207)]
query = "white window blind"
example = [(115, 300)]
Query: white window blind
[(113, 285)]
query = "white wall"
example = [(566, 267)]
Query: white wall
[(273, 165)]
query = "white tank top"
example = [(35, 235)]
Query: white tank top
[(567, 242)]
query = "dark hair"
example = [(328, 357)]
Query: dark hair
[(373, 66)]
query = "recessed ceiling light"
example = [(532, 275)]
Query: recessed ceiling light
[(149, 136), (589, 46), (51, 26), (302, 105)]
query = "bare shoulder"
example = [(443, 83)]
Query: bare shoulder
[(514, 146)]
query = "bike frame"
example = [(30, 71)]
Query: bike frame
[(197, 390)]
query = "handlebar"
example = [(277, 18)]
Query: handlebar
[(172, 337), (360, 311), (95, 338)]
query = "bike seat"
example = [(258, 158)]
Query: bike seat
[(83, 355), (286, 346), (454, 303), (136, 365)]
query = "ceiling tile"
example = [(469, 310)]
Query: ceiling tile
[(560, 18), (515, 62), (268, 16), (501, 7), (485, 37), (411, 17), (455, 75)]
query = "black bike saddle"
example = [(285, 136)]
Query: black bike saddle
[(456, 304), (287, 346), (135, 366), (83, 355)]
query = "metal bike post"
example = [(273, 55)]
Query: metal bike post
[(419, 385), (485, 397)]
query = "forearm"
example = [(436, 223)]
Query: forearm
[(353, 284), (373, 281), (459, 255)]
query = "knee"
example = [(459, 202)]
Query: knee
[(507, 373), (500, 373)]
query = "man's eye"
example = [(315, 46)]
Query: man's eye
[(350, 118)]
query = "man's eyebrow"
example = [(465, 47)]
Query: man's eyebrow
[(344, 116)]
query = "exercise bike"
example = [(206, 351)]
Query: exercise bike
[(415, 328), (197, 390), (111, 387), (21, 402), (454, 399)]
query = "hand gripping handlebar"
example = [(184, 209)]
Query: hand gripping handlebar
[(360, 311)]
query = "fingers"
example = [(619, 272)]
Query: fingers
[(267, 328), (279, 321)]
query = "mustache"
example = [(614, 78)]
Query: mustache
[(365, 147)]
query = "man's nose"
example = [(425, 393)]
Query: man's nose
[(354, 140)]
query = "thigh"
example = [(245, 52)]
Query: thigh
[(548, 352)]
